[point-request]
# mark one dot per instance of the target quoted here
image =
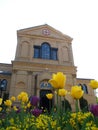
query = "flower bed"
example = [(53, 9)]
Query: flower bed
[(28, 115)]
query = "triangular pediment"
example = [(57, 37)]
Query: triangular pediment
[(44, 31)]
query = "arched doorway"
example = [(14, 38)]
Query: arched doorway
[(45, 103), (45, 88)]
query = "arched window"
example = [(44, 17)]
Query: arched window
[(54, 53), (3, 84), (84, 88), (37, 52), (45, 84), (45, 51)]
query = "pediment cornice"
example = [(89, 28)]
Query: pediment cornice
[(43, 31)]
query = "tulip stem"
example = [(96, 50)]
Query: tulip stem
[(57, 101), (64, 104), (49, 106), (76, 103)]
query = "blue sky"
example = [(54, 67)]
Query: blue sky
[(76, 18)]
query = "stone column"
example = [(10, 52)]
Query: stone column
[(71, 54), (31, 51), (13, 83), (29, 83)]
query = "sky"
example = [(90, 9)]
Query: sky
[(75, 18)]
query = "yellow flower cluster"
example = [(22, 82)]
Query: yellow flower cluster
[(58, 82), (79, 118), (43, 121), (26, 120), (12, 128), (91, 126), (23, 96)]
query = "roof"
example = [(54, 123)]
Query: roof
[(37, 31), (5, 73)]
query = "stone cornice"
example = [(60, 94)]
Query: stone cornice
[(45, 38), (29, 66), (5, 67)]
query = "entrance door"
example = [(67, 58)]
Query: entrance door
[(45, 103)]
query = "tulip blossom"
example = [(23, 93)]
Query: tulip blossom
[(76, 92), (23, 96), (15, 108), (0, 108), (13, 98), (93, 84), (62, 92), (34, 100), (49, 95), (8, 103), (25, 99), (36, 112), (94, 110), (58, 80), (0, 101), (29, 105)]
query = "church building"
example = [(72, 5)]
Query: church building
[(42, 51)]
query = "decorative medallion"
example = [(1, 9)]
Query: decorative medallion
[(46, 32)]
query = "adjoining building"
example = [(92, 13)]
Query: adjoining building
[(42, 51)]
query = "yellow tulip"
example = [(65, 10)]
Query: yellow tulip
[(21, 95), (0, 108), (29, 105), (62, 92), (49, 95), (76, 92), (15, 108), (8, 103), (0, 101), (58, 80), (13, 98), (24, 99), (93, 84)]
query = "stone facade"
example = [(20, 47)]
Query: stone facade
[(41, 51)]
